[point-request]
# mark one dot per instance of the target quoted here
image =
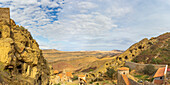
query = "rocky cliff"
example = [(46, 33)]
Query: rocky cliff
[(135, 52), (20, 57), (158, 53)]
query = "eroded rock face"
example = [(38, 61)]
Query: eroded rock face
[(21, 55), (128, 55)]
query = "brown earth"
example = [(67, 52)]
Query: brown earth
[(78, 61)]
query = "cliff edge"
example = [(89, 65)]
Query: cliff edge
[(21, 59)]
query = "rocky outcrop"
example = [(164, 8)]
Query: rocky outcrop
[(128, 55), (21, 57)]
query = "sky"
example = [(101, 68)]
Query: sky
[(86, 25)]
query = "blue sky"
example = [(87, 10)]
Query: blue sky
[(73, 25)]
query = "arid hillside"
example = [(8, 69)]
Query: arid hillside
[(78, 61), (154, 50), (158, 53)]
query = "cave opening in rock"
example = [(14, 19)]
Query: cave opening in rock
[(27, 45), (19, 69), (93, 75), (87, 75), (120, 58), (100, 73), (39, 80), (0, 34), (131, 51), (150, 43), (140, 47), (126, 57)]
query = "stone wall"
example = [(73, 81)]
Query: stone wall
[(148, 83), (120, 80), (140, 67), (5, 15), (132, 82)]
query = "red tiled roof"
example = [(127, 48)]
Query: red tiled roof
[(56, 71), (81, 75), (126, 79), (69, 74), (123, 68), (60, 75), (159, 72), (168, 69), (158, 81)]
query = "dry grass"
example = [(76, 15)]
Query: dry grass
[(78, 60)]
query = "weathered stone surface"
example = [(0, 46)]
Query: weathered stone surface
[(12, 22), (19, 47), (5, 14), (5, 30), (6, 50), (20, 54)]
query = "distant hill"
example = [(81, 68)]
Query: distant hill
[(52, 55), (158, 53), (78, 61)]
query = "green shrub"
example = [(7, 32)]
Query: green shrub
[(97, 83), (75, 78), (135, 60), (149, 69), (58, 84), (138, 76), (91, 82), (110, 72), (91, 69), (156, 60)]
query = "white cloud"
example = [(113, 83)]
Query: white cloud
[(86, 24)]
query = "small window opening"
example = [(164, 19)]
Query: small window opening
[(160, 77), (123, 72)]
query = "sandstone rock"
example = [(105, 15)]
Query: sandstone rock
[(6, 50), (12, 22), (19, 47), (20, 54), (5, 31)]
